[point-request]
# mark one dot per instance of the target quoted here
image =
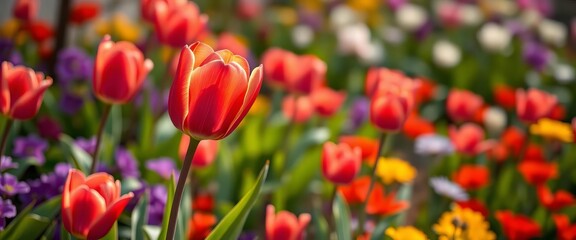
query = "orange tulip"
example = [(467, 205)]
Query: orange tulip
[(368, 146), (355, 192), (327, 101), (119, 71), (212, 92), (534, 104), (25, 10), (538, 173), (21, 91), (91, 205), (462, 105), (383, 204), (472, 177), (298, 109), (416, 126), (178, 25), (294, 73), (205, 153), (518, 227), (554, 201), (285, 225), (340, 163)]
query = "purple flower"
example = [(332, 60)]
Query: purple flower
[(7, 210), (73, 64), (126, 163), (31, 146), (88, 145), (158, 196), (48, 185), (432, 144), (536, 55), (10, 186), (423, 31), (163, 166), (157, 100), (358, 113), (395, 4), (6, 163), (8, 53), (248, 236), (70, 103)]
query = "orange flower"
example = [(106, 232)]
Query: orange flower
[(83, 12), (518, 227), (205, 153), (556, 201), (91, 205), (499, 153), (285, 225), (21, 91), (475, 205), (537, 173), (425, 91), (294, 73), (564, 231), (534, 104), (327, 101), (200, 225), (462, 105), (355, 192), (505, 96), (119, 71), (416, 126), (384, 205), (177, 25), (298, 109), (471, 177), (340, 163), (212, 92), (368, 147)]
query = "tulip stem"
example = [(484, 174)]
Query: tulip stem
[(103, 120), (383, 146), (5, 134), (180, 187)]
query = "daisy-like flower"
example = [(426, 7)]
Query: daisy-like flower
[(10, 186), (6, 163), (433, 144), (7, 210), (447, 188), (463, 223)]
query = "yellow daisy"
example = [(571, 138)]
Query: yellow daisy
[(463, 224), (392, 170), (405, 233)]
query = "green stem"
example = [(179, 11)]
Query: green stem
[(5, 134), (330, 216), (180, 187), (103, 120)]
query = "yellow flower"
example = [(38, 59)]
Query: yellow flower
[(286, 15), (463, 224), (552, 129), (120, 27), (9, 28), (392, 170), (260, 106), (364, 5), (405, 233)]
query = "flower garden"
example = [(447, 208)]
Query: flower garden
[(288, 120)]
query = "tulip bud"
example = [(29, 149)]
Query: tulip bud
[(21, 91), (205, 153), (285, 225), (468, 139), (119, 71), (534, 104), (91, 205), (148, 7), (389, 111), (178, 25), (212, 92), (25, 10), (461, 105), (340, 163), (297, 74)]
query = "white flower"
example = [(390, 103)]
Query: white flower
[(392, 35), (470, 15), (410, 17), (446, 54), (552, 32), (433, 144), (372, 53), (563, 73), (443, 186), (343, 15), (302, 35), (493, 37), (352, 38), (530, 18), (495, 120)]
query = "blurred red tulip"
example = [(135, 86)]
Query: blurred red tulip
[(178, 25), (389, 111), (119, 71), (416, 126), (475, 205), (469, 139), (40, 31), (514, 139), (294, 73), (355, 192), (368, 146), (425, 90), (233, 43), (534, 104), (327, 101), (472, 177), (285, 225), (574, 126), (564, 231), (25, 10), (388, 80), (212, 92), (382, 204), (298, 109), (83, 12), (148, 7), (203, 202), (518, 227), (340, 163), (461, 105), (200, 225), (554, 202), (499, 153), (537, 173), (21, 91), (205, 153), (505, 96), (558, 112), (249, 9), (91, 205)]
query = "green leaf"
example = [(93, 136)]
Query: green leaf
[(171, 192), (151, 232), (31, 223), (140, 217), (16, 222), (231, 225), (79, 158), (341, 217), (112, 133)]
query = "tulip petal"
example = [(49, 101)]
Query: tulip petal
[(101, 227), (103, 183), (201, 52), (254, 85), (75, 178), (104, 49), (178, 100), (4, 91), (118, 75), (86, 206), (28, 105)]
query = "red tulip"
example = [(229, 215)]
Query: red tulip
[(564, 231), (298, 109), (513, 138), (368, 146), (119, 71), (518, 227), (200, 225), (148, 7), (469, 139), (21, 91), (327, 101), (178, 25), (534, 104), (212, 92), (461, 105), (248, 9), (389, 111), (536, 172), (472, 177), (475, 205), (205, 153), (40, 31), (91, 205), (203, 202), (284, 225), (505, 96), (386, 80), (425, 90), (25, 10), (340, 163), (416, 126), (558, 112), (233, 43), (554, 201), (355, 192), (297, 74), (83, 12)]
